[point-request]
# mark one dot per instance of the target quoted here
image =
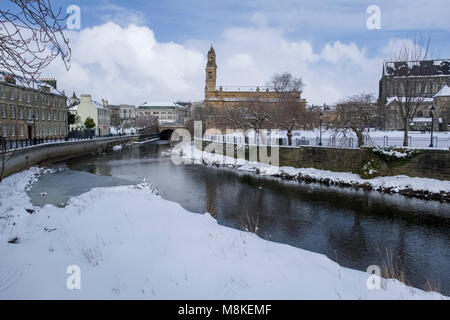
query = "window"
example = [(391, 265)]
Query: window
[(13, 130), (43, 115), (435, 88), (21, 113), (29, 113), (49, 116), (54, 116), (54, 130), (64, 116), (3, 107), (54, 101), (28, 96), (11, 93), (19, 94), (12, 112), (5, 131), (43, 130), (21, 130), (37, 130), (2, 92), (49, 130), (36, 114), (36, 98), (48, 99)]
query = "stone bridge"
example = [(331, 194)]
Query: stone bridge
[(166, 130)]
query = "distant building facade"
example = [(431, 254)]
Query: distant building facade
[(100, 113), (431, 77), (441, 102), (114, 111), (31, 111), (127, 112), (165, 112), (234, 97)]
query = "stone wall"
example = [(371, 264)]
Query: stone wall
[(21, 159), (433, 164)]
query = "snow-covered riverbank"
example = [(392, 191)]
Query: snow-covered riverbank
[(423, 188), (131, 244)]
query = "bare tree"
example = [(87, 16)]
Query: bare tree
[(409, 89), (144, 122), (31, 37), (198, 113), (355, 114), (256, 115), (288, 113), (286, 83)]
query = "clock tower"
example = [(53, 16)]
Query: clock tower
[(211, 71)]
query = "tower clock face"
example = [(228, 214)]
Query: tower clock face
[(210, 75)]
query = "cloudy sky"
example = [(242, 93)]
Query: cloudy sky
[(139, 50)]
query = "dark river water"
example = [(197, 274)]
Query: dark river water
[(354, 228)]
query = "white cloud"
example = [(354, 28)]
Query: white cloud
[(121, 15), (128, 65), (240, 61)]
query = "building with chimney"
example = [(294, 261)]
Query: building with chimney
[(88, 108), (31, 110)]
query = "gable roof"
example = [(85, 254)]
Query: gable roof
[(444, 92)]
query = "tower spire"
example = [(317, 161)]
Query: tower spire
[(211, 71)]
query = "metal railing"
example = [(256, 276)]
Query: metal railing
[(350, 142), (14, 144)]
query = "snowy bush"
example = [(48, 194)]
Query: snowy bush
[(395, 155), (369, 169)]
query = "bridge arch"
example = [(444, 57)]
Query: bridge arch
[(166, 134)]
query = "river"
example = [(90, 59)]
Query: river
[(352, 227)]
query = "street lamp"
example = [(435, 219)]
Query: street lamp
[(320, 128), (432, 110)]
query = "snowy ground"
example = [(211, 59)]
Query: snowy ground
[(127, 131), (131, 244), (394, 184)]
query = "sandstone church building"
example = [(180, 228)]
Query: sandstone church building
[(234, 97)]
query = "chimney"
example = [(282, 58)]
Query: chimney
[(85, 98), (51, 82)]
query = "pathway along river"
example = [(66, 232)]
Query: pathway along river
[(354, 228)]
